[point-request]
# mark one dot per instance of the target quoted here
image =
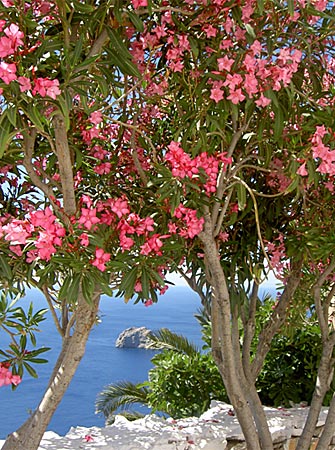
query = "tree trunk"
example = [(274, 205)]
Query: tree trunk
[(324, 379), (223, 346), (29, 435), (328, 431), (223, 355)]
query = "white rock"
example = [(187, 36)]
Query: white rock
[(134, 337), (208, 432)]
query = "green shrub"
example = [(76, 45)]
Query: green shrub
[(290, 368), (183, 385)]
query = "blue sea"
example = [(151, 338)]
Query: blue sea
[(103, 363)]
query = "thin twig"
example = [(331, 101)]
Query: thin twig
[(49, 300)]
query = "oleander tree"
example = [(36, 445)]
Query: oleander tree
[(142, 137)]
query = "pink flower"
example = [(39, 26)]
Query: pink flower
[(193, 224), (96, 117), (6, 376), (45, 246), (225, 63), (210, 31), (216, 94), (25, 84), (125, 242), (7, 72), (6, 47), (88, 217), (88, 438), (302, 170), (84, 239), (152, 245), (148, 302), (263, 101), (223, 236), (7, 3), (17, 232), (103, 169), (46, 87), (182, 164), (15, 35), (120, 207), (100, 259), (138, 3), (236, 96)]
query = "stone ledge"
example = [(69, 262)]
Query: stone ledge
[(216, 429)]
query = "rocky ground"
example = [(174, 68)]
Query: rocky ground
[(216, 429)]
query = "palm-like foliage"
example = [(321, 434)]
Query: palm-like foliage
[(166, 339), (121, 396)]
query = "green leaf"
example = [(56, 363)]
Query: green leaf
[(65, 287), (87, 285), (128, 283), (5, 268), (77, 52), (82, 7), (145, 283), (250, 30), (290, 5), (32, 372), (118, 10), (65, 110), (12, 115), (38, 360), (125, 65), (117, 44), (241, 196), (34, 115), (23, 341), (272, 96), (5, 132), (279, 124), (260, 5), (137, 22), (73, 290)]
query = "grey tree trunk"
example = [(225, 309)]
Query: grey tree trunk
[(29, 435), (328, 431), (223, 341)]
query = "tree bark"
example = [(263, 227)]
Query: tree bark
[(223, 347), (324, 378), (326, 366), (328, 431), (29, 435)]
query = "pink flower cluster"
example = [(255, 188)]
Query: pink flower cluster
[(191, 225), (321, 153), (254, 75), (116, 212), (184, 166), (40, 227), (10, 42), (6, 376), (278, 258)]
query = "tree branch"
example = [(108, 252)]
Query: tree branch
[(65, 165)]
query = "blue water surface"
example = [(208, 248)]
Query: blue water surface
[(103, 363)]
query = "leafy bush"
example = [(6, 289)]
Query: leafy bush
[(183, 385), (290, 368)]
